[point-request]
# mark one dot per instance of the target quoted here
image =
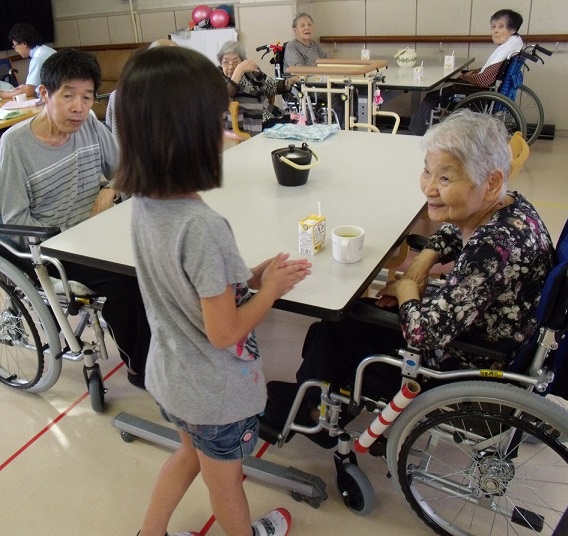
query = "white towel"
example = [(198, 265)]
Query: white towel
[(502, 52)]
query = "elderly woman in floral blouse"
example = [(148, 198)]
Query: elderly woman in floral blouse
[(253, 89), (502, 253)]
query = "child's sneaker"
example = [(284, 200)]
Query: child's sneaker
[(275, 523), (178, 534)]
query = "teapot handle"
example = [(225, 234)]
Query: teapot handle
[(301, 166), (400, 52)]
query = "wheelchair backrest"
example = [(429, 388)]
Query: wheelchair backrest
[(278, 61), (7, 72), (511, 76), (552, 313)]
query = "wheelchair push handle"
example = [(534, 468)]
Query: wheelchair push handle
[(543, 50)]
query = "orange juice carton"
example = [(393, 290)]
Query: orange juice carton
[(312, 234)]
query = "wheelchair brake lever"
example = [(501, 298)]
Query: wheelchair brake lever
[(532, 57)]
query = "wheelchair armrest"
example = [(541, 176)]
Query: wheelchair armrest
[(416, 242), (455, 82), (388, 318), (29, 230), (366, 312)]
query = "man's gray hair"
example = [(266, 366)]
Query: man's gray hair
[(232, 47), (479, 141)]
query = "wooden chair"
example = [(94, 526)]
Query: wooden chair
[(520, 151), (236, 134), (373, 128)]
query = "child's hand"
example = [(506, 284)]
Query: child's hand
[(281, 275)]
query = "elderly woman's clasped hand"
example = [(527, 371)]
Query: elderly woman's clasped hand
[(410, 285), (236, 71)]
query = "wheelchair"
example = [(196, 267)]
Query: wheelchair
[(515, 104), (36, 334), (7, 72), (316, 106), (480, 453)]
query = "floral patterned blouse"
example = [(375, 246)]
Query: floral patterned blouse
[(492, 292)]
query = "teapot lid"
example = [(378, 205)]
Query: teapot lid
[(292, 152), (404, 51)]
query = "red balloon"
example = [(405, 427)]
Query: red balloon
[(219, 18), (200, 13)]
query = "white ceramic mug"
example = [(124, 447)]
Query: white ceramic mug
[(347, 243), (21, 97)]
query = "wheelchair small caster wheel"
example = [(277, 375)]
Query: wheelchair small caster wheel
[(314, 503), (298, 497), (126, 437), (356, 489), (96, 393)]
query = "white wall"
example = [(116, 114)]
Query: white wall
[(88, 22)]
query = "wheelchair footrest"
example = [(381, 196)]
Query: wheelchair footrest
[(526, 518)]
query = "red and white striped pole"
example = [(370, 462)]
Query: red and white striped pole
[(386, 417)]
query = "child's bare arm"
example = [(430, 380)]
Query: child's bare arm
[(225, 323)]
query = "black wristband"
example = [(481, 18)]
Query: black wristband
[(234, 83)]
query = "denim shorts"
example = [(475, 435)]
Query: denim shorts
[(234, 441)]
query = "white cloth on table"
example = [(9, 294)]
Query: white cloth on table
[(299, 132)]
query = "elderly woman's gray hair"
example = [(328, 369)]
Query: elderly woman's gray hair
[(479, 141), (232, 47), (298, 17)]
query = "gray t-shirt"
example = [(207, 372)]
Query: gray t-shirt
[(185, 251), (53, 186), (297, 53)]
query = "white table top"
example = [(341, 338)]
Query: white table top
[(434, 74), (365, 179)]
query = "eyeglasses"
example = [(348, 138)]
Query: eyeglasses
[(16, 45), (232, 63)]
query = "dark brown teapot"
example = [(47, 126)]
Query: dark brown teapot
[(292, 164)]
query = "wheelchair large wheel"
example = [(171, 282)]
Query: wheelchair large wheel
[(482, 459), (533, 112), (499, 106), (29, 338)]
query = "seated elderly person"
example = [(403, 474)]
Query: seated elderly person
[(50, 176), (303, 51), (502, 253), (505, 25), (27, 42), (252, 88)]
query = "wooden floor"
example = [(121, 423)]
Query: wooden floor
[(65, 471)]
